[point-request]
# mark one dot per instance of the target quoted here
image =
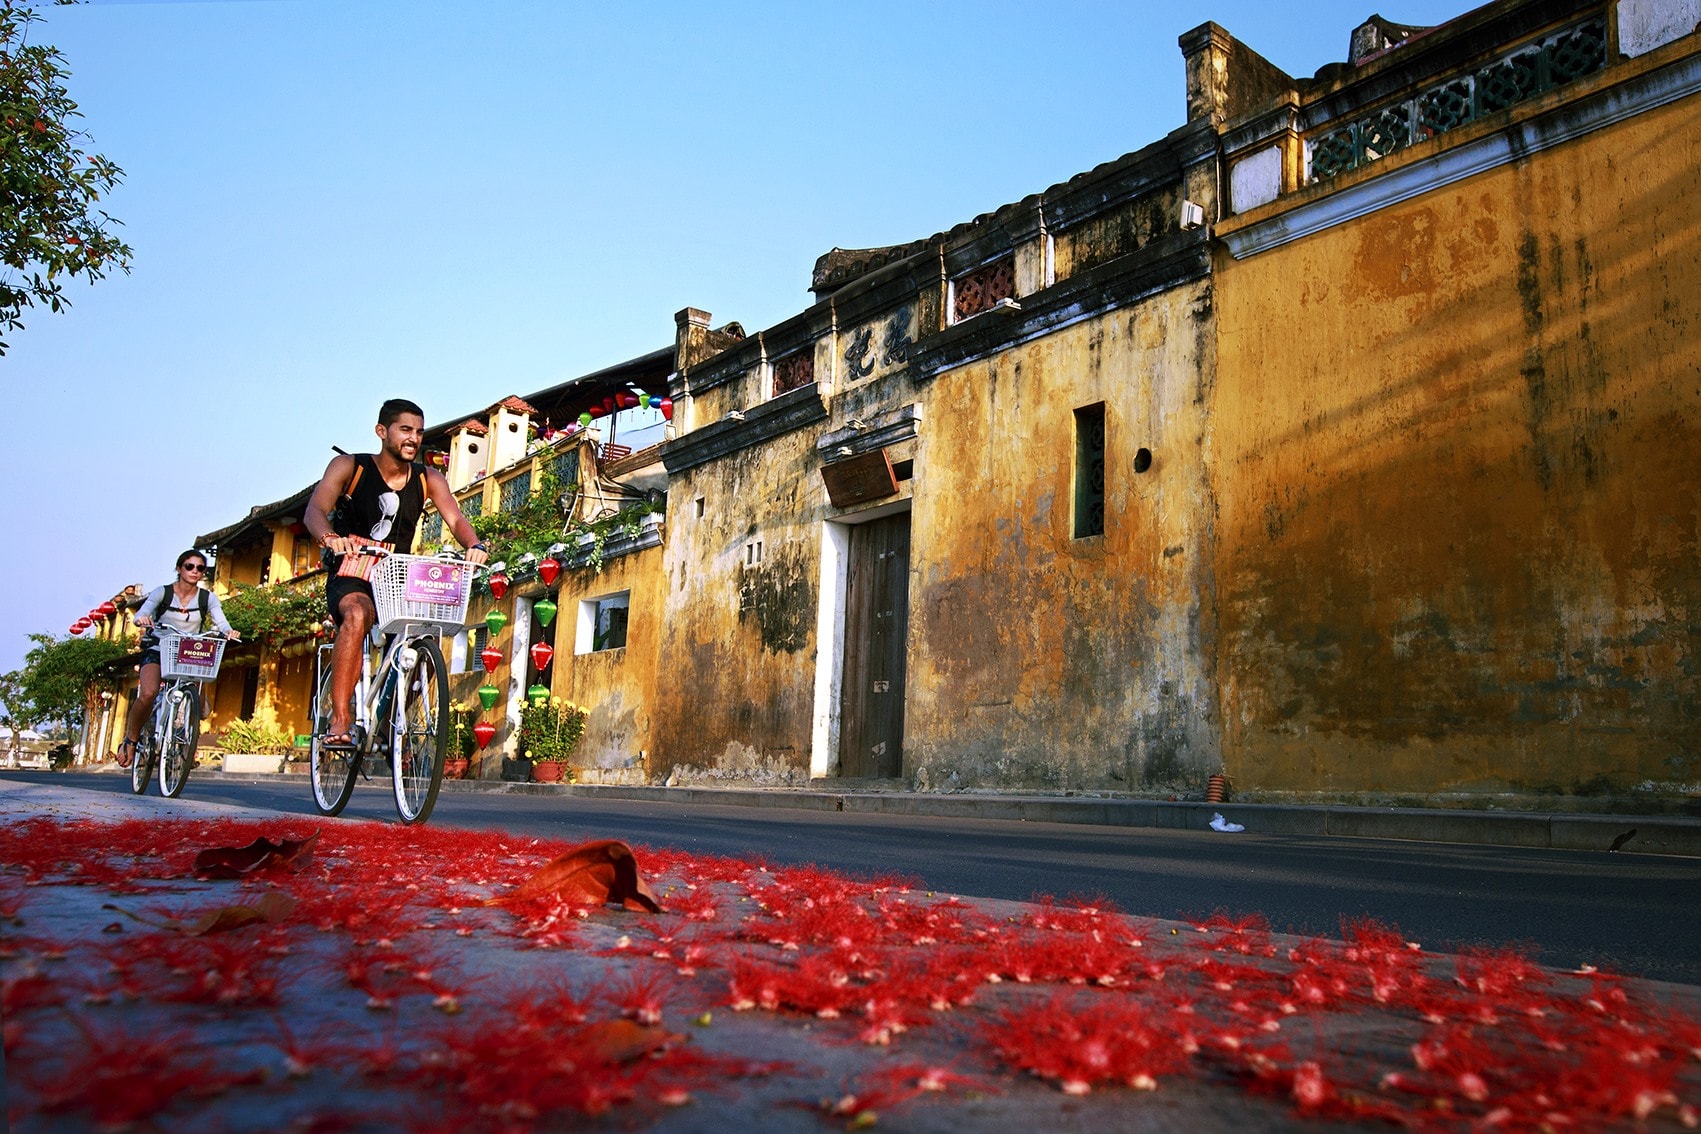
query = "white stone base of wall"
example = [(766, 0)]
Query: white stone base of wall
[(250, 762)]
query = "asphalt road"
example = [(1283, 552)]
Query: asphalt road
[(1629, 913)]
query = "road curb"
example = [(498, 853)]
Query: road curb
[(1638, 834)]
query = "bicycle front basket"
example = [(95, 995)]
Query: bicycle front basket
[(421, 590), (195, 656)]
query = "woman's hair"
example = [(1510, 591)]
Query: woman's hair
[(184, 558)]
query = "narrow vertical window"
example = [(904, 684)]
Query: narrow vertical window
[(1089, 470)]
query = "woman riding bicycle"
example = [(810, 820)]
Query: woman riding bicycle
[(183, 606)]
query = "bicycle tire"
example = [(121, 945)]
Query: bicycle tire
[(333, 769), (422, 709), (182, 737), (142, 756)]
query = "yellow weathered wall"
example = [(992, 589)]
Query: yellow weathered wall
[(738, 643), (1041, 660), (618, 686), (1455, 447)]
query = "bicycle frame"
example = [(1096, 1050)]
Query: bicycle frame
[(369, 688)]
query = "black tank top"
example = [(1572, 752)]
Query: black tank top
[(373, 510)]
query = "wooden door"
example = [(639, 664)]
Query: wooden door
[(871, 717)]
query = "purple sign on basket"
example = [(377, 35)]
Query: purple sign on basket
[(197, 652), (436, 583)]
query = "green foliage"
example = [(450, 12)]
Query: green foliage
[(259, 738), (58, 673), (550, 730), (49, 225), (532, 527), (461, 721), (280, 609)]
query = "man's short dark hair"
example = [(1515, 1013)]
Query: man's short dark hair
[(396, 407)]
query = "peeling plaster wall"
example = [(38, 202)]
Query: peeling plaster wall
[(1456, 472), (618, 686), (739, 638), (1036, 659)]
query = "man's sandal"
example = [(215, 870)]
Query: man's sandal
[(344, 739), (126, 754)]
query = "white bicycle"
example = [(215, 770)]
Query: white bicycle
[(400, 708), (174, 732)]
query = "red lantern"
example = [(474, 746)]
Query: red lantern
[(666, 406), (626, 400), (491, 657), (107, 609), (498, 585), (485, 731), (76, 628), (549, 570), (542, 653), (609, 404), (597, 411)]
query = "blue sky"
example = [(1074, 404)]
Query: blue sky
[(333, 202)]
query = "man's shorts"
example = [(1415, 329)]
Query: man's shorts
[(336, 586)]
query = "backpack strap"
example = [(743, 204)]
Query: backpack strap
[(205, 603)]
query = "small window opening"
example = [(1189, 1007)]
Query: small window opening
[(602, 623), (699, 507), (1142, 460), (1089, 470), (753, 553), (903, 470)]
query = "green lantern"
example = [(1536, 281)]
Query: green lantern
[(487, 695), (584, 420), (545, 610), (538, 694), (643, 401), (495, 620)]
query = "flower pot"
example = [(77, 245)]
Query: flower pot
[(456, 769), (546, 772)]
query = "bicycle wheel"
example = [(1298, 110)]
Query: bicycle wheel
[(333, 769), (142, 757), (419, 731), (182, 736)]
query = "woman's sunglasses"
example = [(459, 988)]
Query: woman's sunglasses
[(194, 566)]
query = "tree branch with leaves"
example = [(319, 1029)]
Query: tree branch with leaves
[(50, 226)]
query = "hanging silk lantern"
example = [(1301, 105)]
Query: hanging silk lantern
[(537, 694), (498, 585), (542, 654), (487, 695), (609, 405), (107, 610), (495, 620), (76, 628), (545, 611), (549, 570), (491, 657), (486, 732), (643, 401), (584, 419), (666, 406), (596, 411)]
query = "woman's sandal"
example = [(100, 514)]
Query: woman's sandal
[(126, 754)]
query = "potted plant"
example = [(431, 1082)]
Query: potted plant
[(463, 743), (550, 729)]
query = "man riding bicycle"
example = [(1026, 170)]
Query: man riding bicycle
[(374, 498)]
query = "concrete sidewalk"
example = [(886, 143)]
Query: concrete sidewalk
[(1640, 834)]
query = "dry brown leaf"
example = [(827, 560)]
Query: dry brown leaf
[(272, 906), (620, 1041), (239, 862), (591, 874)]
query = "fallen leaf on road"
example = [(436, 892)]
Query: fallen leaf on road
[(591, 874), (239, 862), (272, 906)]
